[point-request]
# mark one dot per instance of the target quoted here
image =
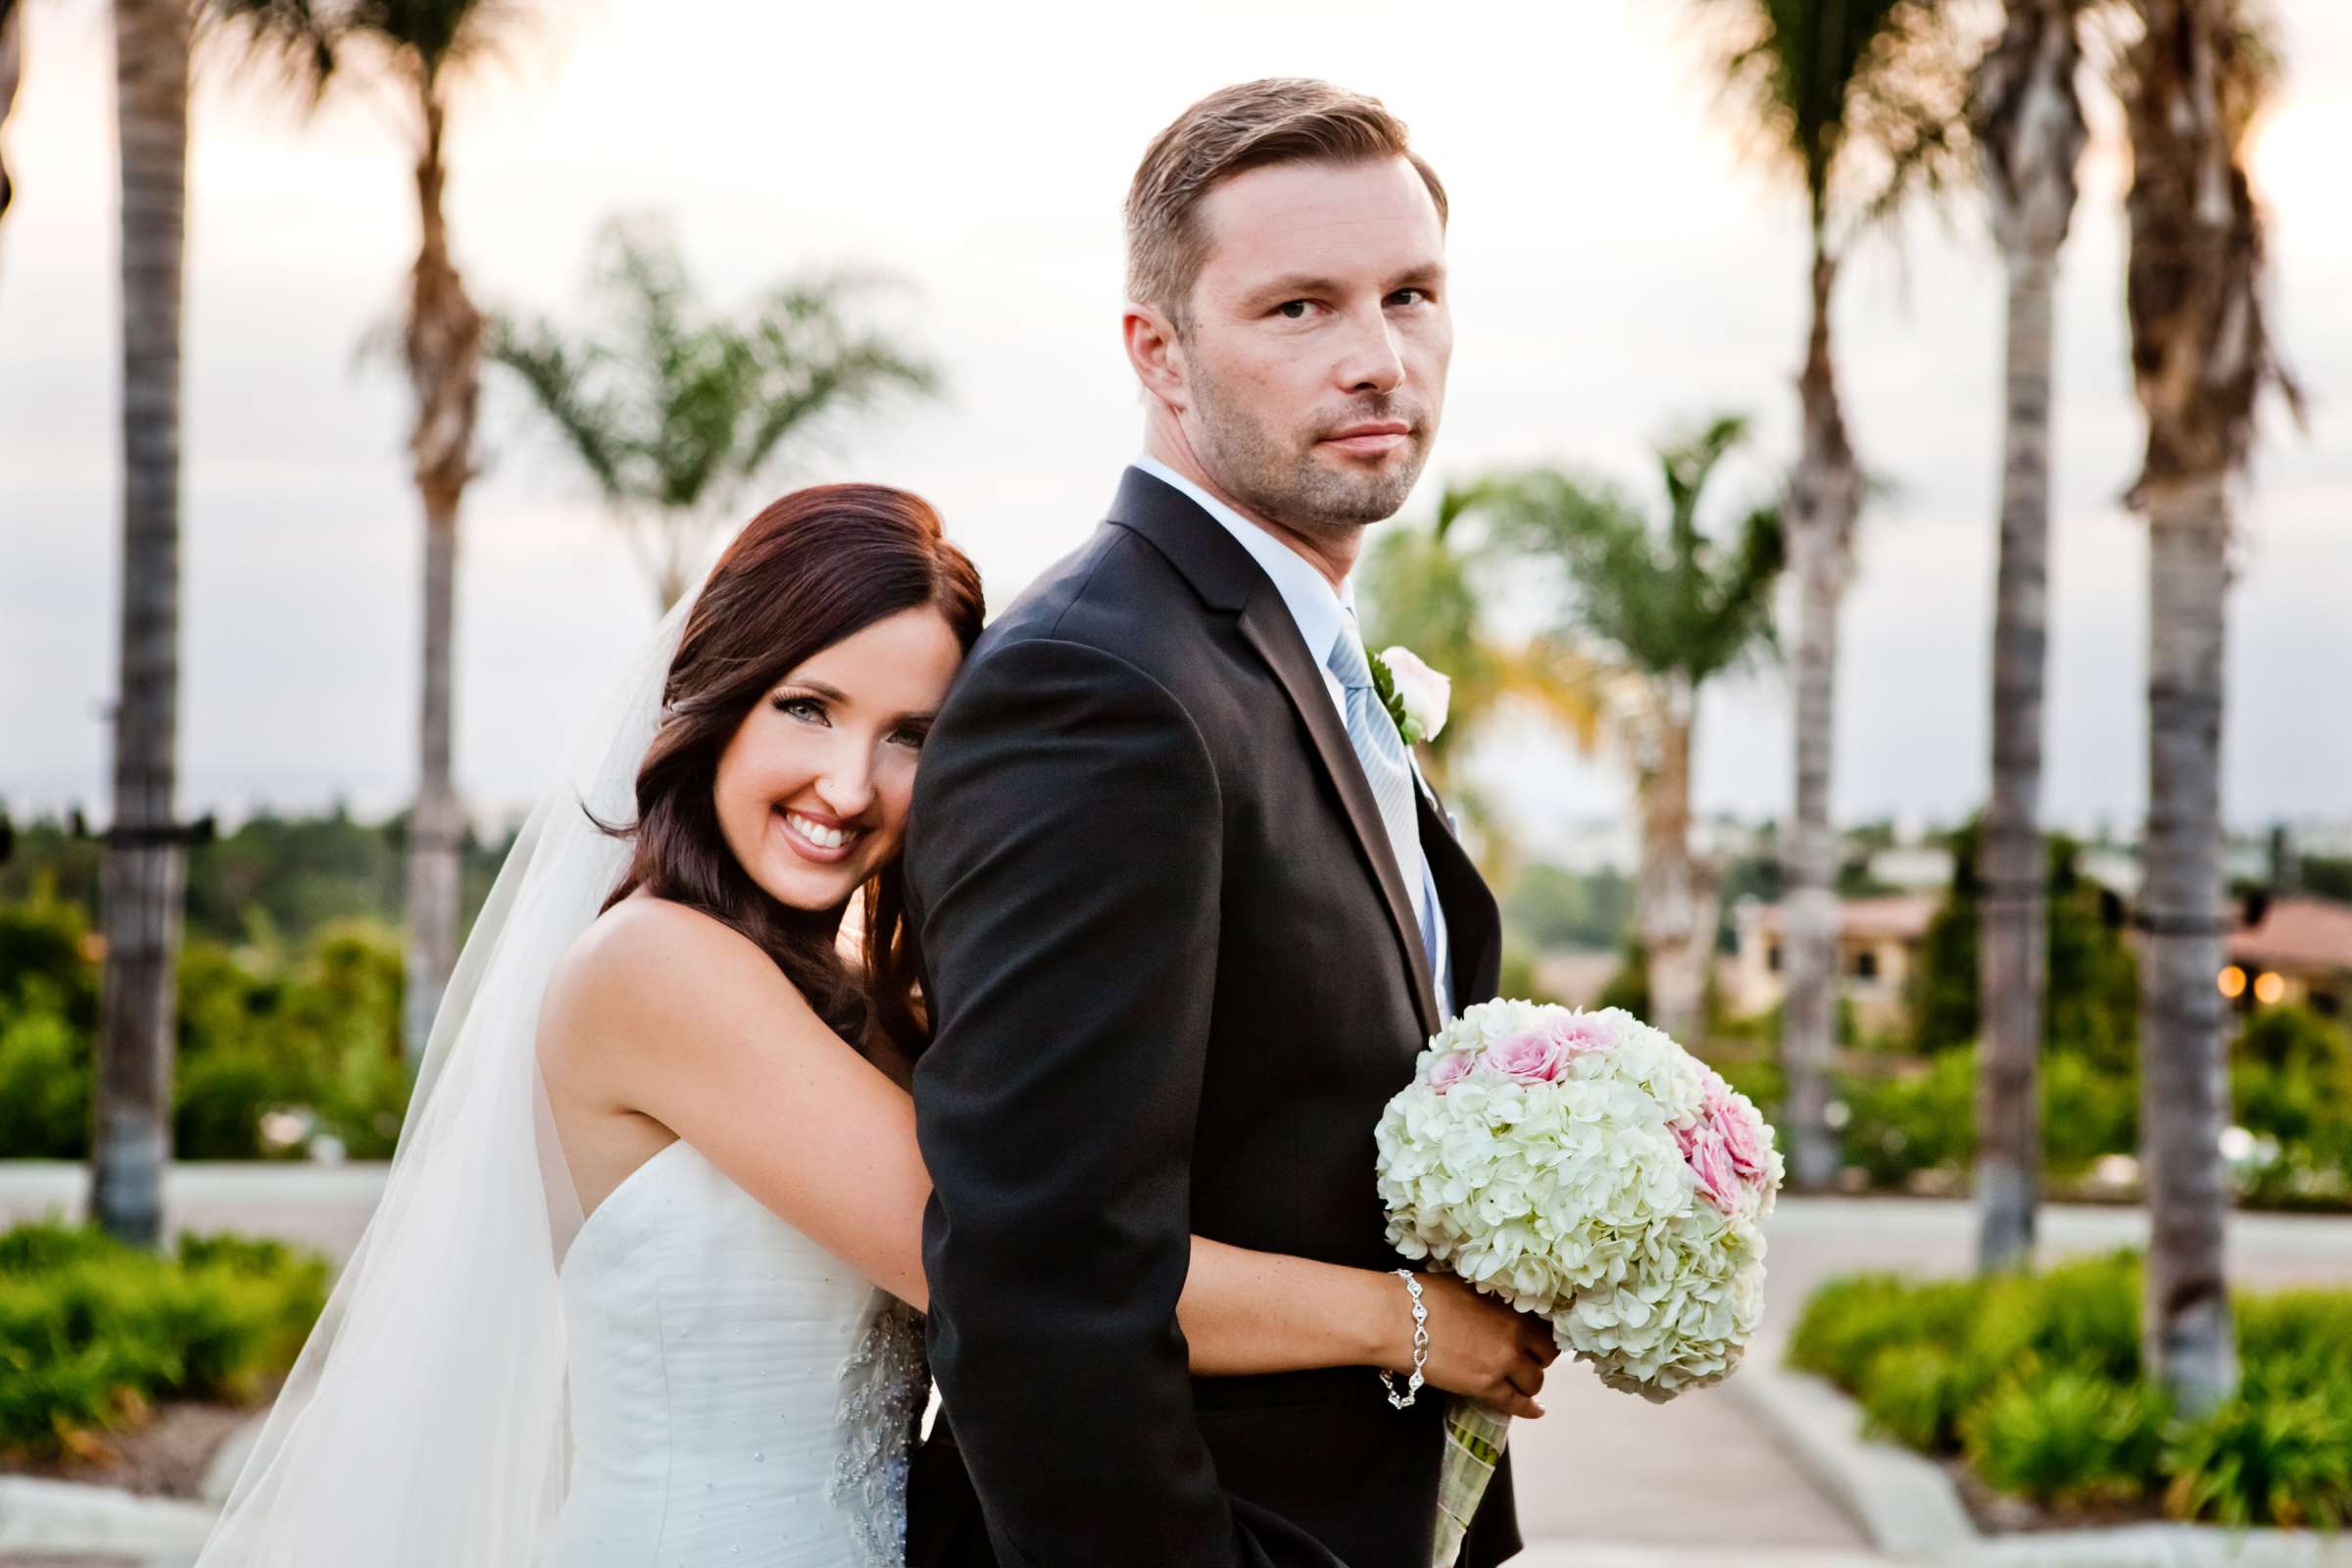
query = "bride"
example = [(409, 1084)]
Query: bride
[(644, 1281)]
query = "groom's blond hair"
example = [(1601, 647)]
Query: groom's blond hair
[(1280, 120)]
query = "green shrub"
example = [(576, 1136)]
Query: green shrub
[(2036, 1380), (1916, 1394), (2086, 1110), (2063, 1437), (2082, 1315), (218, 1101), (2279, 1462), (2295, 1343), (1849, 1321), (93, 1333), (1919, 1119), (44, 1246), (2294, 1037), (45, 1083), (44, 963)]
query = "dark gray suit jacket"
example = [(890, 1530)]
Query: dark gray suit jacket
[(1175, 976)]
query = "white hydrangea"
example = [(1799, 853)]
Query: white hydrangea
[(1567, 1188)]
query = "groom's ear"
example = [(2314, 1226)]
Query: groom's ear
[(1157, 351)]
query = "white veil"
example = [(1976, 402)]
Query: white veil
[(424, 1422)]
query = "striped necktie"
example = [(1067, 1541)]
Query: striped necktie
[(1386, 768)]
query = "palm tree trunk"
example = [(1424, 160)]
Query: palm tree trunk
[(1678, 895), (144, 871), (2184, 1079), (1824, 497), (444, 356), (2013, 966), (2029, 124)]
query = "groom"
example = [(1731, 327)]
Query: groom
[(1186, 913)]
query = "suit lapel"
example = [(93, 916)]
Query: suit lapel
[(1267, 626), (1221, 572), (1473, 921)]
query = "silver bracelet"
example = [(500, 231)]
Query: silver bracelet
[(1412, 1387)]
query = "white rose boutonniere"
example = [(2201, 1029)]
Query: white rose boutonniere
[(1415, 695)]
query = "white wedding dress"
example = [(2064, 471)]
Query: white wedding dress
[(738, 1395), (679, 1377)]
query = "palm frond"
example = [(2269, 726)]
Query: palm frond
[(558, 378), (1862, 101), (2193, 85), (297, 41), (1657, 598), (674, 408), (309, 44)]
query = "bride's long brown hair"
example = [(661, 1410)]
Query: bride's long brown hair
[(815, 567)]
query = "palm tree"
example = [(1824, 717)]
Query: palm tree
[(2200, 357), (2027, 122), (1822, 81), (1669, 608), (673, 411), (424, 46), (145, 866)]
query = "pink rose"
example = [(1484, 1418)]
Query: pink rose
[(1450, 1069), (1711, 1164), (1534, 1055), (1581, 1031), (1737, 1129)]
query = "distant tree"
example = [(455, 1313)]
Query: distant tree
[(1555, 907), (1857, 102), (2093, 982), (673, 411), (2028, 119), (422, 49), (2201, 354), (145, 862), (1667, 608), (2328, 876)]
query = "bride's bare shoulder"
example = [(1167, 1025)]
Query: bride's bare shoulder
[(648, 965)]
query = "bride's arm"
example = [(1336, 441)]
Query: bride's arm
[(739, 1065), (1246, 1312)]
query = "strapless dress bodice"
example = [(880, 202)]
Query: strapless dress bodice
[(739, 1395)]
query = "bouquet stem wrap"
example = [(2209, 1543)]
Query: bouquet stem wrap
[(1475, 1436)]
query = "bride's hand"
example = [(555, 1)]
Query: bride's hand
[(1477, 1346)]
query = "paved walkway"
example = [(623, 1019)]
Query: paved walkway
[(1605, 1479)]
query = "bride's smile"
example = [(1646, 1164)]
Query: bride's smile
[(812, 791)]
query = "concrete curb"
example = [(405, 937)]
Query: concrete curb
[(63, 1517), (2160, 1545), (1906, 1505)]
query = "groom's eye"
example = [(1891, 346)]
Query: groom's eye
[(1293, 310)]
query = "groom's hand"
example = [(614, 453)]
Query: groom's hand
[(1478, 1347)]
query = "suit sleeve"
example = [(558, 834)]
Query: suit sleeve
[(1063, 855)]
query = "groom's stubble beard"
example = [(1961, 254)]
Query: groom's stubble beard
[(1277, 475)]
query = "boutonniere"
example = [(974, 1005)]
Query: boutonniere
[(1414, 694)]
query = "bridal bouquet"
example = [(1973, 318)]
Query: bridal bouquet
[(1583, 1166)]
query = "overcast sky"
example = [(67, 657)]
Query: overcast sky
[(1618, 264)]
